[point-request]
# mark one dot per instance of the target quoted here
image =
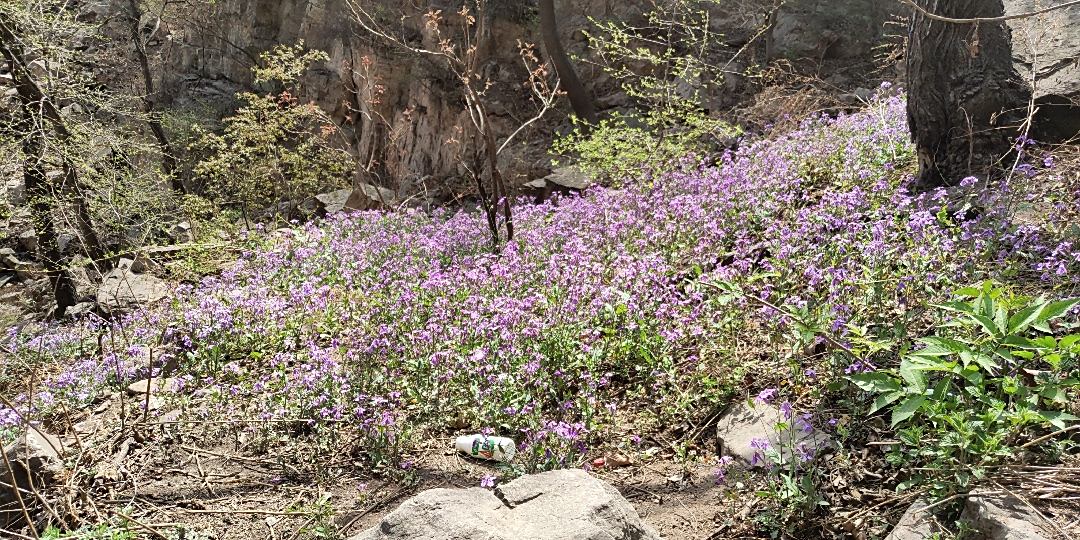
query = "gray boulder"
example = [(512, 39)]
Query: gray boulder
[(123, 290), (556, 505), (999, 517), (746, 422), (915, 524), (829, 30), (35, 464), (364, 197)]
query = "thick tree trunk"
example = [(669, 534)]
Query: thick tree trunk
[(168, 158), (964, 96), (38, 190), (579, 96)]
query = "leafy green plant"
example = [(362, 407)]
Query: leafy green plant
[(99, 532), (275, 148), (977, 388), (668, 69)]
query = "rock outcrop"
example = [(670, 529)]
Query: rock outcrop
[(35, 464), (123, 289), (1049, 44), (556, 505), (830, 30)]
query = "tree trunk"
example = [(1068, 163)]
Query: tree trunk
[(964, 96), (38, 190), (579, 96), (45, 111), (168, 158)]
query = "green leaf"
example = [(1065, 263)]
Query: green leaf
[(962, 307), (987, 323), (1068, 341), (987, 363), (939, 346), (1024, 318), (1001, 319), (876, 382), (970, 292), (1058, 419), (1018, 341), (907, 409), (910, 372), (1055, 394), (883, 400), (1057, 309)]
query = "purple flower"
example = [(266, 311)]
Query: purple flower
[(786, 410), (488, 481), (765, 396), (760, 446), (722, 469)]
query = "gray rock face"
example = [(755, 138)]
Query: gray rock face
[(1049, 44), (556, 505), (738, 430), (913, 525), (826, 30), (35, 462), (999, 517), (123, 290)]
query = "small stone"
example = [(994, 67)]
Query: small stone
[(138, 388), (746, 423), (80, 310), (35, 461), (28, 240), (182, 232)]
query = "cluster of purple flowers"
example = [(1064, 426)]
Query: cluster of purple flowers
[(389, 321)]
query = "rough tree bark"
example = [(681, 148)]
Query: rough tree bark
[(168, 158), (575, 90), (39, 192), (965, 98)]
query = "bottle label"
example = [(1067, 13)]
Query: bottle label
[(483, 448)]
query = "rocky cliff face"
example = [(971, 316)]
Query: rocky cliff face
[(1049, 45), (401, 111)]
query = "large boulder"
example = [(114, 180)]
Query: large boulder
[(123, 289), (35, 464), (556, 505)]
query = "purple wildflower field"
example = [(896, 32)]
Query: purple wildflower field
[(606, 310)]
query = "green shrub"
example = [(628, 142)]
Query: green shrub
[(275, 148), (668, 68), (980, 387)]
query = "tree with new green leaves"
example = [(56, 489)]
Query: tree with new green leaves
[(275, 148)]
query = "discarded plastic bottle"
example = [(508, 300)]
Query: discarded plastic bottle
[(484, 447)]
